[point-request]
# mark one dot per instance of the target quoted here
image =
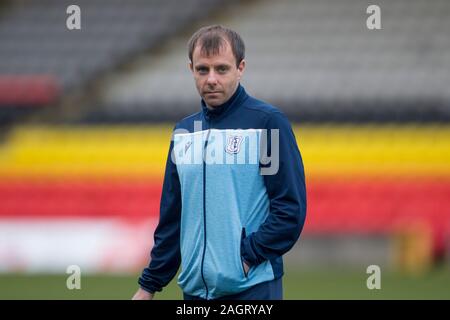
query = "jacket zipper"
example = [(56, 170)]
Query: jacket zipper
[(204, 210)]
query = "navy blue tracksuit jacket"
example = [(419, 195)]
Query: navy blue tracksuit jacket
[(234, 190)]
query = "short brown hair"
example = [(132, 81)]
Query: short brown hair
[(212, 39)]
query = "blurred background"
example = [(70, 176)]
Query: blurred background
[(86, 117)]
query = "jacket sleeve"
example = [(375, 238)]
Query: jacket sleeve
[(287, 194), (165, 255)]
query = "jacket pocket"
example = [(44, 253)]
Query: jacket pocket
[(243, 235)]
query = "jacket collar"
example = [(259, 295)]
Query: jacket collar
[(236, 99)]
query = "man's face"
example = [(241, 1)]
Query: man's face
[(216, 77)]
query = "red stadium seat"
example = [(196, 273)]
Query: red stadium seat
[(28, 90)]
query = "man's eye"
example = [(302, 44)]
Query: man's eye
[(202, 70), (222, 69)]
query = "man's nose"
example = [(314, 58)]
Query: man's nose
[(212, 79)]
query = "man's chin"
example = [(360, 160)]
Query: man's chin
[(213, 102)]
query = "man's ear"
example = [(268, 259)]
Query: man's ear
[(190, 66), (241, 68)]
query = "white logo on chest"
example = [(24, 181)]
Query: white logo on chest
[(234, 144), (186, 146)]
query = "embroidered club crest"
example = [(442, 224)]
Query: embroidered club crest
[(233, 144)]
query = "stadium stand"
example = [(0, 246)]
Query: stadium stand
[(35, 41), (316, 60)]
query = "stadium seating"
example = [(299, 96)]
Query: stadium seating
[(314, 59), (361, 179), (27, 91), (35, 38)]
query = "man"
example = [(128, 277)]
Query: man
[(227, 219)]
